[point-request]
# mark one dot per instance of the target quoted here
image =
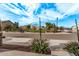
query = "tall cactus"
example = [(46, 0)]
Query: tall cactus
[(77, 29), (57, 23), (40, 27)]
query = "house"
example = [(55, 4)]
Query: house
[(8, 25), (74, 28), (69, 30)]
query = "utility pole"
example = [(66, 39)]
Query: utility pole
[(77, 29), (40, 27), (0, 32)]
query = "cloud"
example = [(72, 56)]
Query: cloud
[(67, 9), (27, 13), (3, 17), (31, 8), (5, 7), (52, 14), (14, 12), (63, 7), (29, 20), (73, 10)]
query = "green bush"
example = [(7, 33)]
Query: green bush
[(40, 46), (43, 31), (72, 47)]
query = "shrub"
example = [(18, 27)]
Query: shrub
[(43, 31), (72, 47), (40, 46)]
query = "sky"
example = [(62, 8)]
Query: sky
[(29, 13)]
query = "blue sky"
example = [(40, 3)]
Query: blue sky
[(27, 13)]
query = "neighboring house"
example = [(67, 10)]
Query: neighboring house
[(35, 27), (67, 30), (74, 28), (7, 23)]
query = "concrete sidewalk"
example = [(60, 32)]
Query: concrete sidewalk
[(19, 53), (53, 44), (60, 53), (17, 41)]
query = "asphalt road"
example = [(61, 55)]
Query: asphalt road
[(60, 36)]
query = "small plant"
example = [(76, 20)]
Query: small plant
[(72, 47), (40, 46)]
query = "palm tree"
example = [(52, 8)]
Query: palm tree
[(51, 27), (15, 26), (28, 26)]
